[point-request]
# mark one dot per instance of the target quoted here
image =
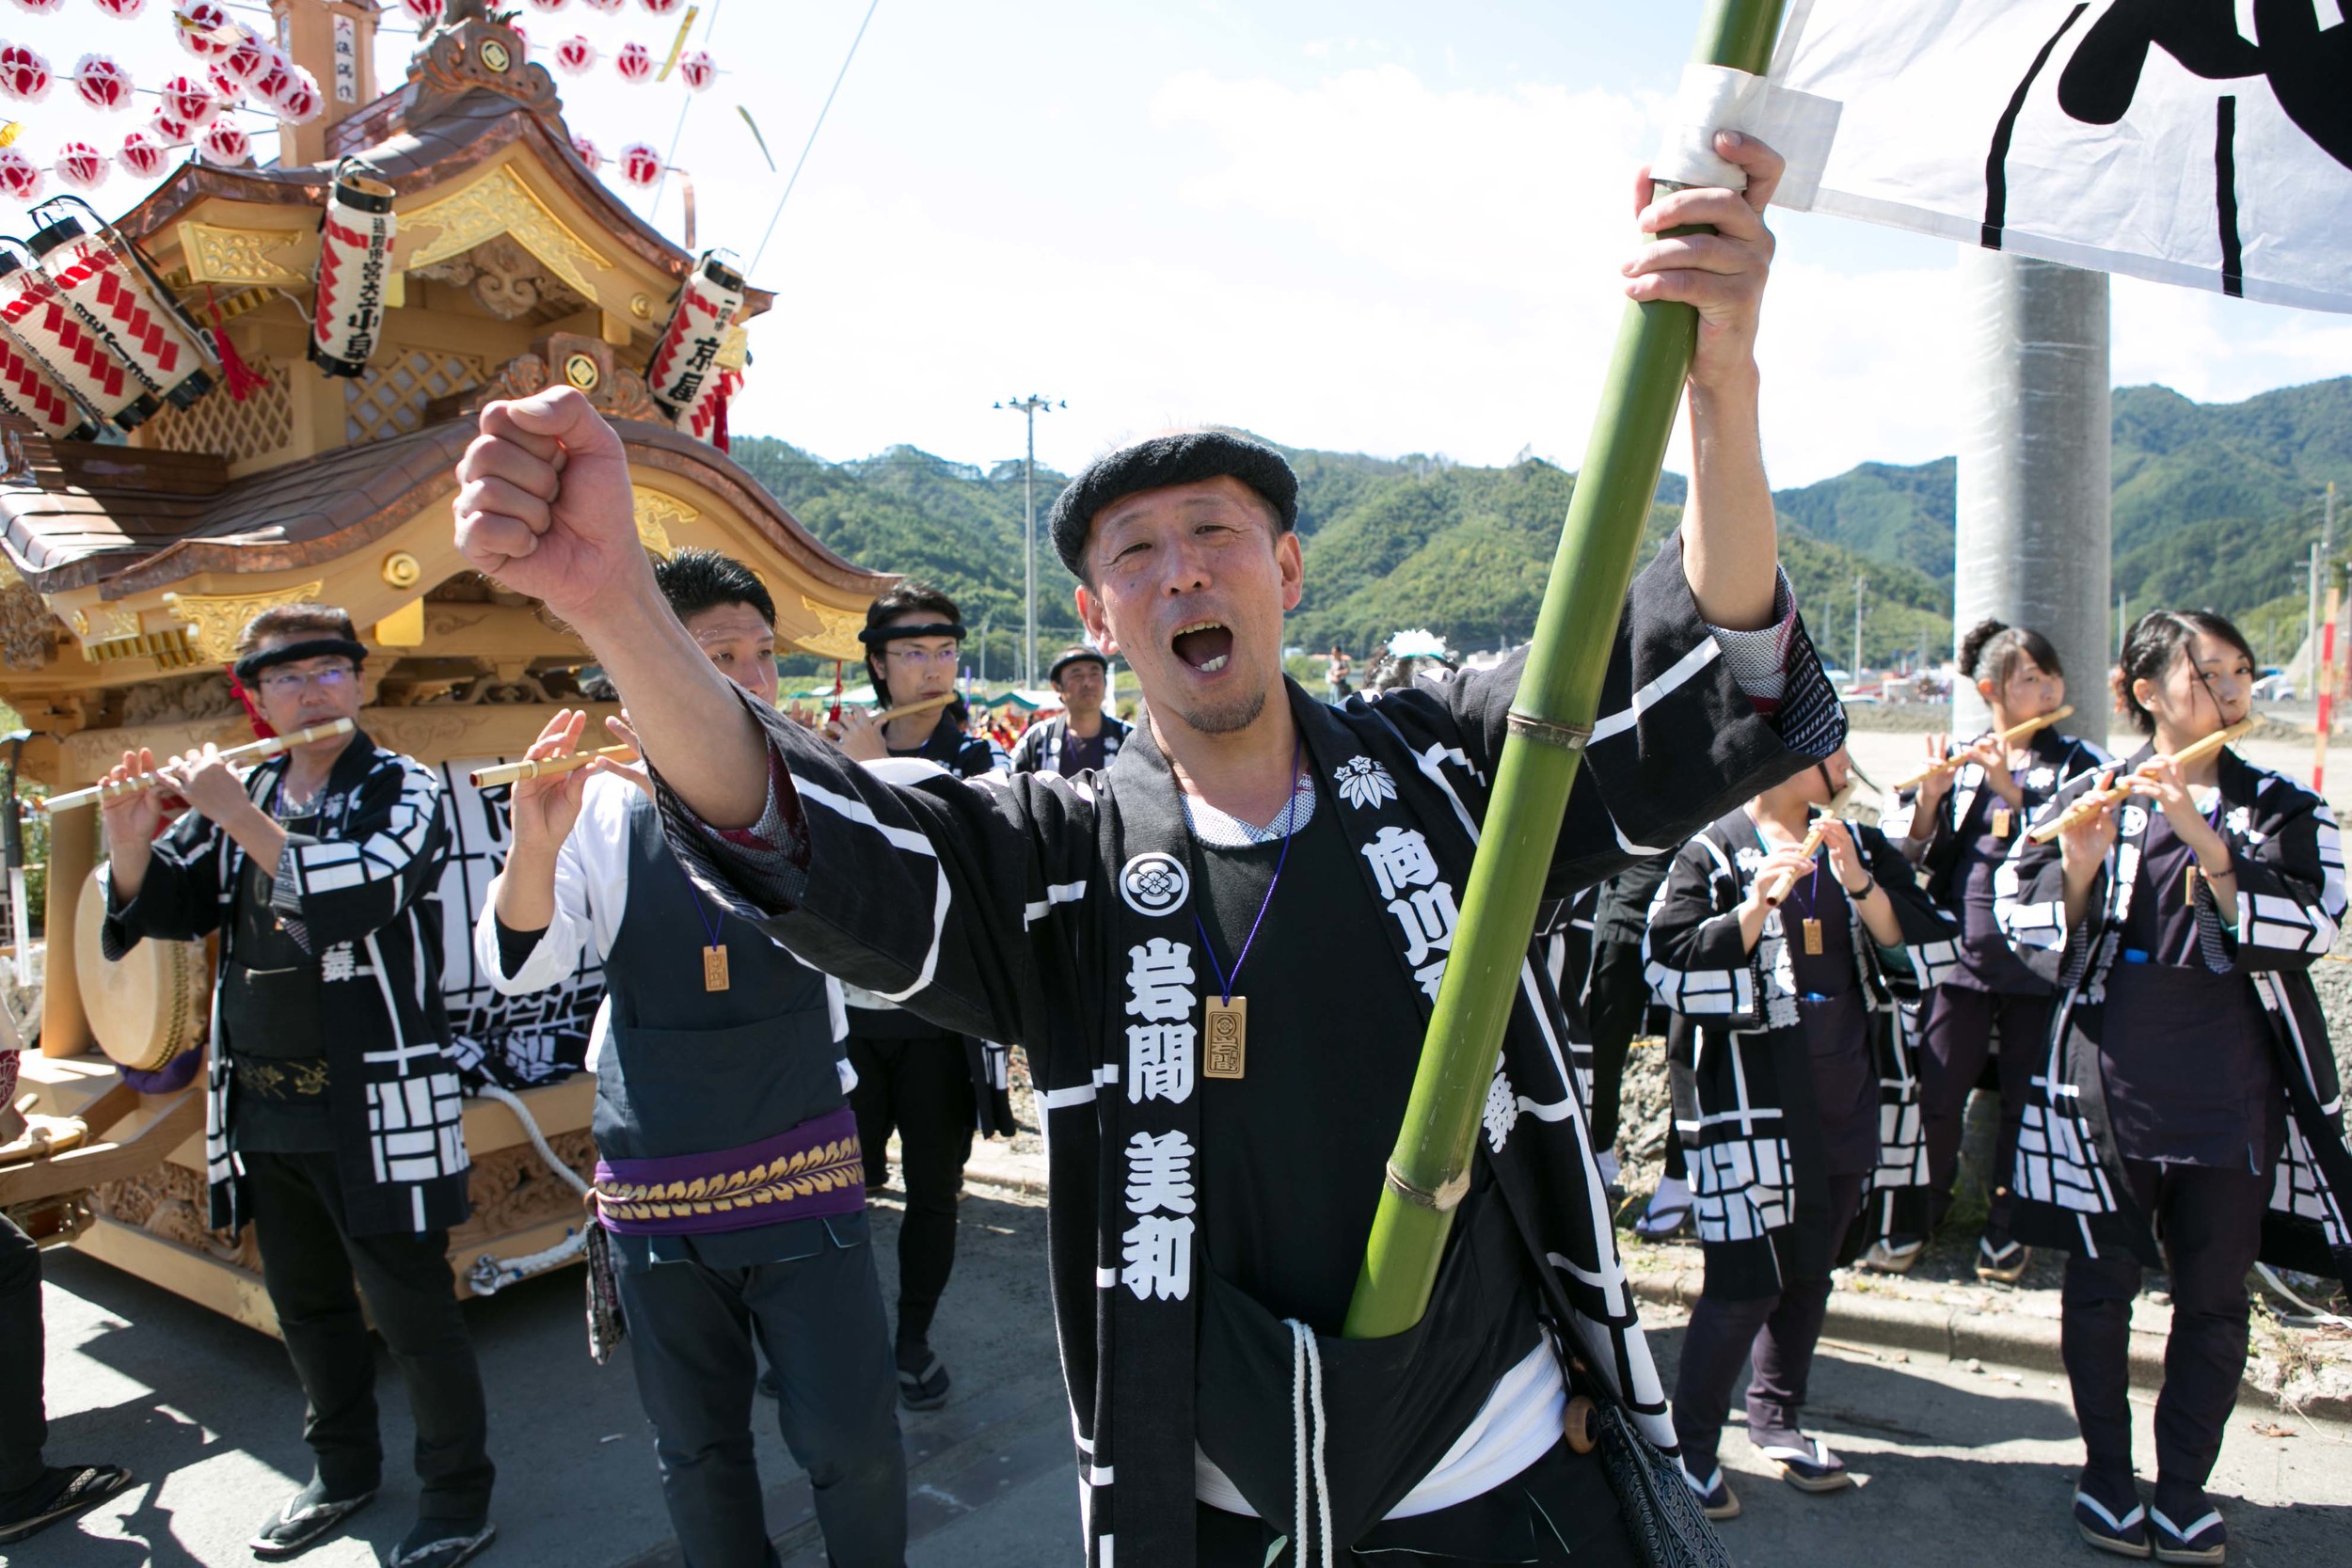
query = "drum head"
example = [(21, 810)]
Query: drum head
[(152, 1004)]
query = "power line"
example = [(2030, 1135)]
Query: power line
[(870, 9)]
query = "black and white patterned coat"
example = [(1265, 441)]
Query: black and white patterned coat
[(362, 896), (1753, 1166), (1057, 912), (2059, 760), (2284, 845)]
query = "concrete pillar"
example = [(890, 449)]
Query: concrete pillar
[(2032, 540)]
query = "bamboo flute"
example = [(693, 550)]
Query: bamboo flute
[(925, 705), (1559, 697), (258, 751), (2008, 736), (1808, 849), (2093, 800), (515, 772)]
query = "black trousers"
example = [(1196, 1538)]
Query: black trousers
[(1956, 1033), (2210, 1221), (820, 1320), (1614, 1006), (922, 1088), (309, 1262), (1778, 1333), (23, 1423)]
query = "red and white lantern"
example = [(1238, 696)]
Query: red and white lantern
[(102, 82), (142, 157), (224, 145), (242, 61), (701, 421), (121, 10), (171, 133), (660, 8), (684, 368), (20, 176), (698, 69), (82, 167), (29, 390), (36, 310), (203, 28), (276, 75), (641, 166), (355, 269), (188, 102), (575, 56), (118, 303), (588, 154), (424, 13), (23, 74), (300, 101), (635, 64)]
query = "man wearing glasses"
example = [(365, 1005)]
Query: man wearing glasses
[(335, 1112), (932, 1087)]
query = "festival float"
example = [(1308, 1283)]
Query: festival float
[(250, 390)]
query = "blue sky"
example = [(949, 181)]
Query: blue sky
[(1369, 226)]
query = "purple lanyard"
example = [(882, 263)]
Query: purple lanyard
[(1290, 830), (711, 923)]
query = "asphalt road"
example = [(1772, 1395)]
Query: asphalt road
[(1958, 1466)]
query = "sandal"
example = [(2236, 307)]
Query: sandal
[(925, 1390), (1669, 1211)]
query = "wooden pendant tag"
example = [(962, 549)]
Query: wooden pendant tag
[(714, 968), (2188, 885), (1225, 1038), (1812, 937), (2000, 821)]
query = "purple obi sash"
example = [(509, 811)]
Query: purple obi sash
[(815, 1169)]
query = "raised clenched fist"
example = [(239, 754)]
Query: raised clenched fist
[(544, 507)]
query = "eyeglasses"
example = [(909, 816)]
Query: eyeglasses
[(286, 683), (925, 656)]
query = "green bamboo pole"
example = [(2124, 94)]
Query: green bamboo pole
[(1559, 697)]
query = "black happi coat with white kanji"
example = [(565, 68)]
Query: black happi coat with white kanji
[(361, 896), (2059, 760), (1757, 1172), (2069, 1182), (1058, 914)]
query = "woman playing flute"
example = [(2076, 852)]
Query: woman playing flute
[(1792, 964), (2187, 1060), (1959, 825)]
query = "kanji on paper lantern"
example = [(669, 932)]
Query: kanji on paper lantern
[(424, 12), (142, 157), (102, 82), (224, 145), (588, 153), (188, 100), (698, 69), (82, 166), (20, 176), (575, 55), (639, 165), (298, 100), (23, 74), (122, 10), (203, 28), (634, 62)]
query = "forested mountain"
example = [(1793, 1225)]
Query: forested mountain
[(2214, 504)]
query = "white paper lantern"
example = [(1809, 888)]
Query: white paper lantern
[(123, 10), (82, 167), (20, 176), (660, 8), (40, 7), (635, 64), (641, 166), (589, 153), (242, 61), (299, 100), (698, 69), (575, 56), (188, 102), (142, 157), (224, 145), (205, 28), (23, 74), (102, 82)]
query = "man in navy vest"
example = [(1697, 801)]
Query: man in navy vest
[(718, 1060), (1085, 737)]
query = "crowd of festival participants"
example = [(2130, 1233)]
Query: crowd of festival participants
[(1214, 937)]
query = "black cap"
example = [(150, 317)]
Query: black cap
[(1185, 457), (1080, 655)]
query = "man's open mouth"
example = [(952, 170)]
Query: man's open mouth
[(1204, 644)]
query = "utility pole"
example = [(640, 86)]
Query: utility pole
[(986, 621), (2123, 623), (1860, 582), (1029, 406)]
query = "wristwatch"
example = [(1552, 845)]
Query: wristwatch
[(1869, 880)]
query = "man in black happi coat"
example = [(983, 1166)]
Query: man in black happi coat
[(1212, 1185), (1082, 738)]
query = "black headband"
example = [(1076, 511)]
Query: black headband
[(874, 637), (259, 660)]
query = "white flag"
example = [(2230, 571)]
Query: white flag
[(2204, 142)]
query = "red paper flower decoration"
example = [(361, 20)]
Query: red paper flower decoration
[(205, 28), (634, 62), (698, 69), (82, 166), (607, 7), (547, 5), (102, 83), (23, 74), (224, 145), (424, 12), (140, 157), (588, 153), (122, 10), (299, 100), (20, 176), (660, 8), (244, 60), (273, 79), (575, 55), (40, 7), (169, 132), (189, 101), (639, 165)]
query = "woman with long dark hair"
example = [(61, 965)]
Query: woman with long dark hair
[(2187, 1065), (1960, 824)]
